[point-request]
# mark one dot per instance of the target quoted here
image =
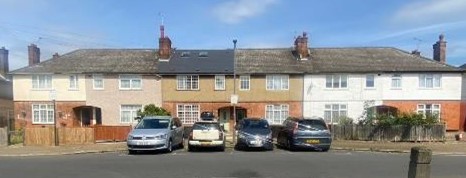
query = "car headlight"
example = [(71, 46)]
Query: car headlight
[(241, 135), (160, 137)]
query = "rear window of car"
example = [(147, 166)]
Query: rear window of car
[(255, 124), (312, 125), (153, 124), (206, 126)]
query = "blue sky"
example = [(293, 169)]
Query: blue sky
[(63, 26)]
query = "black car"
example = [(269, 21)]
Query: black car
[(305, 133), (254, 133)]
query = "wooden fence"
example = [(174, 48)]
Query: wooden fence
[(3, 136), (66, 136), (393, 133), (111, 133)]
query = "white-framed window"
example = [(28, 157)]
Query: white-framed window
[(396, 81), (276, 113), (429, 110), (370, 81), (188, 113), (244, 82), (42, 113), (220, 82), (98, 81), (73, 82), (130, 82), (277, 82), (336, 81), (333, 112), (187, 82), (42, 81), (129, 112), (430, 80)]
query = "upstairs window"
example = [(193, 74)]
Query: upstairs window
[(370, 81), (42, 81), (130, 82), (430, 80), (219, 82), (73, 82), (336, 81), (396, 81), (277, 82), (244, 82), (98, 81), (187, 82)]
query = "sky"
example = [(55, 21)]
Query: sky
[(58, 26)]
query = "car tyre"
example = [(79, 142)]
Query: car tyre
[(169, 146), (290, 145), (132, 152), (181, 145), (325, 149), (190, 148)]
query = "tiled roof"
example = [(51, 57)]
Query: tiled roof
[(336, 60), (198, 62), (463, 66), (143, 61)]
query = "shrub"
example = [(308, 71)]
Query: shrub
[(152, 110)]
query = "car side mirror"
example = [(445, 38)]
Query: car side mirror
[(173, 127), (138, 118)]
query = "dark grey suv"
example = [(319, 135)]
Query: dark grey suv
[(305, 133)]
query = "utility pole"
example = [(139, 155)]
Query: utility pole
[(53, 96), (234, 91)]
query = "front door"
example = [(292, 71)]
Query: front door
[(224, 118)]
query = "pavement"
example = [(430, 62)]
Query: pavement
[(448, 147)]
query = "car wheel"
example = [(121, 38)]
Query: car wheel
[(325, 149), (290, 145), (169, 146), (190, 148), (221, 148), (181, 145), (131, 152)]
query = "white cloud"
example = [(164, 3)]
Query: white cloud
[(235, 11), (430, 12)]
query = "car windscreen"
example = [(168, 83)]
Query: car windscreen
[(153, 124), (206, 126), (255, 124), (312, 125)]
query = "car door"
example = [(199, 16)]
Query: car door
[(178, 131)]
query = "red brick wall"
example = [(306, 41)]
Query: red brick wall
[(449, 111), (463, 116), (64, 109)]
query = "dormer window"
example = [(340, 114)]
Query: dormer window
[(203, 54), (185, 54)]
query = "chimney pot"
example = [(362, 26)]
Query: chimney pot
[(416, 52), (55, 56), (301, 46)]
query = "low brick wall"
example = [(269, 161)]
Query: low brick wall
[(3, 137)]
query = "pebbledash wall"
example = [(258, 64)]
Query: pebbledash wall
[(406, 98), (66, 99), (111, 97)]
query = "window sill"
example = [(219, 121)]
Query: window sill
[(396, 88), (429, 88), (72, 89), (42, 123), (336, 89), (372, 88), (42, 89), (100, 89), (130, 89)]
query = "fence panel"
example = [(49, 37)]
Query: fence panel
[(111, 133), (39, 136), (74, 136), (392, 133), (3, 137)]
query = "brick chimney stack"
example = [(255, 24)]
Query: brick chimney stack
[(416, 52), (4, 61), (440, 48), (55, 56), (165, 45), (301, 46), (34, 54)]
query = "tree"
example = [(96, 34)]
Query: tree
[(152, 110)]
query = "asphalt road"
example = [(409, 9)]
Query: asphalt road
[(277, 163)]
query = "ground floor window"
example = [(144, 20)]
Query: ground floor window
[(42, 113), (188, 113), (333, 112), (276, 113), (129, 112), (429, 110)]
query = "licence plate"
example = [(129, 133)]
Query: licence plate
[(142, 143), (313, 141), (254, 142), (205, 143)]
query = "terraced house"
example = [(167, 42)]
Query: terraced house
[(88, 87), (108, 86)]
